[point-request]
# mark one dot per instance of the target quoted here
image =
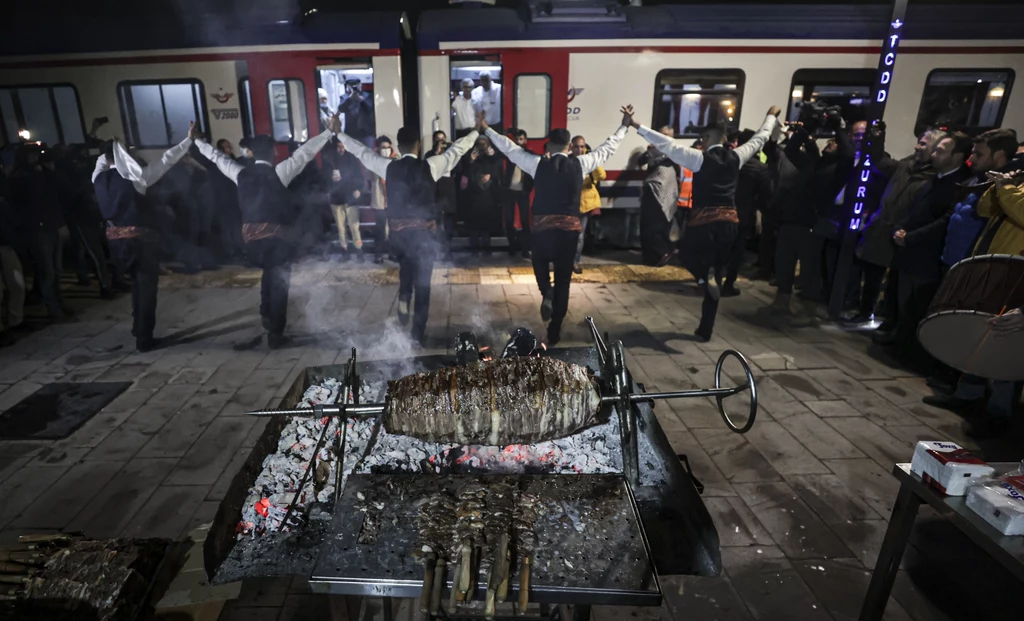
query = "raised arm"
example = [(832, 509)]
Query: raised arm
[(152, 173), (289, 169), (751, 147), (526, 161), (593, 160), (442, 164), (225, 164), (372, 161), (102, 166)]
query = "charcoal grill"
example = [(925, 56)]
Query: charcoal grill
[(660, 513)]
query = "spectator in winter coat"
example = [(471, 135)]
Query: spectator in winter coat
[(516, 189), (379, 203), (590, 198), (343, 178), (657, 206), (482, 195)]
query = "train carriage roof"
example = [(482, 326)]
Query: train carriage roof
[(710, 21), (88, 34)]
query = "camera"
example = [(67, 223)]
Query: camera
[(817, 115)]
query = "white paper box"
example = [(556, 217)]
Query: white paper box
[(1000, 502), (947, 466)]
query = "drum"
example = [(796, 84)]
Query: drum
[(956, 330)]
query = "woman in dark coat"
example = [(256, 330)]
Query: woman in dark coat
[(482, 196)]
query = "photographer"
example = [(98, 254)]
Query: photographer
[(792, 208)]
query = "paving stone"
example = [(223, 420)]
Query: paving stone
[(857, 364), (770, 586), (112, 508), (784, 452), (896, 391), (123, 373), (875, 484), (192, 375), (163, 515), (60, 454), (791, 523), (831, 499), (801, 386), (694, 597), (822, 440), (863, 537), (735, 523), (13, 395), (841, 586), (703, 467), (129, 401), (204, 515), (838, 382), (832, 409), (62, 501), (16, 370), (174, 394), (205, 461), (735, 456), (873, 440), (10, 464)]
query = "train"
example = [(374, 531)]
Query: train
[(559, 64)]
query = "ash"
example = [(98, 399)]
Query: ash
[(595, 450)]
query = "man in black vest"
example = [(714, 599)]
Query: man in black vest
[(268, 211), (557, 182), (412, 214), (711, 228), (121, 184)]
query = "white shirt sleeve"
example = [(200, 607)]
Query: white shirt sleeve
[(102, 166), (590, 161), (751, 147), (372, 161), (225, 164), (144, 178), (684, 156), (291, 167), (522, 158), (441, 165)]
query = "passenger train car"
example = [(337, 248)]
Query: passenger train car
[(681, 66)]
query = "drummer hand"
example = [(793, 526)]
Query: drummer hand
[(1008, 323), (900, 237)]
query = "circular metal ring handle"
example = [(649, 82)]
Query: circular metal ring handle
[(751, 385)]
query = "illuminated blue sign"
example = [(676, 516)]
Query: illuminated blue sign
[(877, 110)]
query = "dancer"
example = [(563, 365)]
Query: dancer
[(120, 184), (412, 214), (711, 227), (556, 229), (268, 213)]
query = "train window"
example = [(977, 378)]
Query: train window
[(850, 89), (692, 100), (970, 100), (245, 92), (489, 100), (348, 88), (533, 104), (49, 113), (156, 113), (288, 110)]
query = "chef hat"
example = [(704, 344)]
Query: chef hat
[(321, 93)]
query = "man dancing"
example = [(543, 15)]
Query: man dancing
[(412, 214), (268, 212), (120, 184), (711, 227), (555, 231)]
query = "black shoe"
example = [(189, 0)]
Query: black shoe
[(403, 312), (954, 404), (359, 256), (883, 337), (278, 341), (663, 261), (265, 323), (378, 259), (858, 318), (419, 339), (577, 269), (704, 335), (511, 253), (547, 307), (147, 344), (729, 291), (526, 254), (344, 256), (712, 287), (986, 428), (940, 385)]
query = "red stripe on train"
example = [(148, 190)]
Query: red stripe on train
[(179, 58), (737, 49)]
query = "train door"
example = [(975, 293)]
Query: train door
[(477, 70), (347, 87), (536, 91), (282, 99)]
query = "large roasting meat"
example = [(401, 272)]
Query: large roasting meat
[(509, 401)]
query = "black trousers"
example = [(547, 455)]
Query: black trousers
[(891, 307), (141, 260), (798, 244), (380, 232), (914, 296), (871, 287), (518, 241), (739, 249), (655, 230), (766, 251), (558, 247), (46, 250), (416, 250), (274, 256), (708, 246)]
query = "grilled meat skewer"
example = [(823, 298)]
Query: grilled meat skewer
[(509, 401)]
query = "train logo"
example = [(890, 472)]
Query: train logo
[(222, 98), (574, 111), (573, 91)]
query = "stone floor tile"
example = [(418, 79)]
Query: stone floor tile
[(880, 410), (205, 461), (865, 478), (737, 458), (20, 491), (838, 382), (820, 439), (830, 498), (702, 465), (841, 586), (801, 386), (164, 514), (123, 373), (116, 504), (873, 440), (793, 526), (67, 496), (895, 391), (784, 452), (708, 599), (770, 586), (735, 523), (863, 537)]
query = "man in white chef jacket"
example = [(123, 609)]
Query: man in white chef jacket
[(487, 100)]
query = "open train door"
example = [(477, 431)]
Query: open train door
[(536, 87), (282, 94)]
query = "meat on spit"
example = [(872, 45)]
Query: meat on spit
[(509, 401)]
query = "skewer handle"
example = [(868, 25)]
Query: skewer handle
[(438, 586), (524, 585), (465, 566), (428, 582), (455, 596), (49, 537), (503, 585)]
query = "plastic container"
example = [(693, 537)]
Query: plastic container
[(947, 466)]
